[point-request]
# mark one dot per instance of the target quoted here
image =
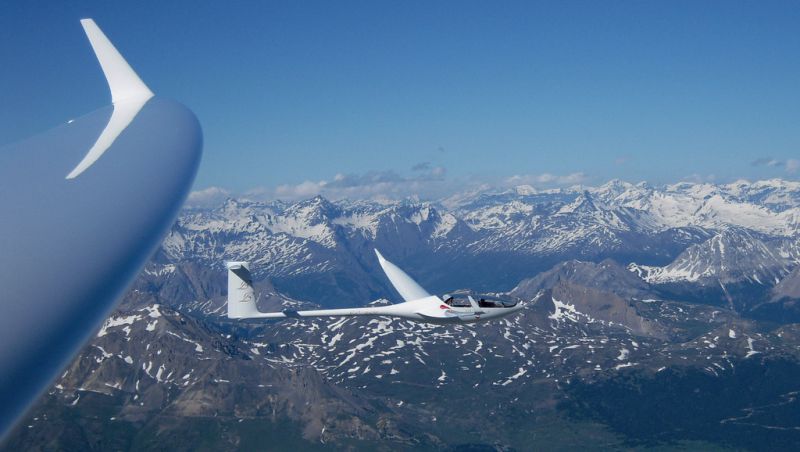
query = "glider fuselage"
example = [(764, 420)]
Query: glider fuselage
[(419, 306)]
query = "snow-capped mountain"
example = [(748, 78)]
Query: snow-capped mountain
[(769, 207), (497, 237), (730, 256)]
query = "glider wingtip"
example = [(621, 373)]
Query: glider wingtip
[(125, 86), (122, 80), (380, 256)]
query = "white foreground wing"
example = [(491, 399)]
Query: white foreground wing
[(93, 233), (407, 287)]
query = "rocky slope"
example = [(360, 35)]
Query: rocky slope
[(155, 374)]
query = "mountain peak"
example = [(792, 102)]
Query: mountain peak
[(584, 203), (732, 255)]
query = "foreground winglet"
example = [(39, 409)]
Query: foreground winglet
[(407, 287), (128, 94), (122, 80)]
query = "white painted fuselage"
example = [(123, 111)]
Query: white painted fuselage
[(429, 310)]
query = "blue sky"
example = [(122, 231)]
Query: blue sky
[(294, 96)]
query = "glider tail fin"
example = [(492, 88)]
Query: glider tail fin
[(241, 296)]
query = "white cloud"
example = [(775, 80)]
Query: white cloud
[(789, 165), (207, 197), (305, 189), (546, 180), (438, 171), (426, 182), (700, 178)]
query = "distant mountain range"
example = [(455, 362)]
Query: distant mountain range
[(654, 316), (737, 234)]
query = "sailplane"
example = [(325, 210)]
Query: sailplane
[(419, 305)]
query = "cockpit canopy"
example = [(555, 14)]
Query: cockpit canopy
[(461, 300)]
